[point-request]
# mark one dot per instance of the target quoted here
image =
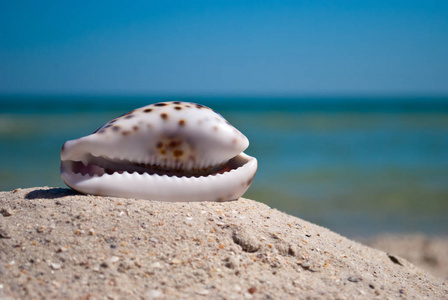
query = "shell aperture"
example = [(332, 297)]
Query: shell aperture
[(168, 151)]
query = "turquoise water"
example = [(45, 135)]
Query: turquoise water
[(357, 166)]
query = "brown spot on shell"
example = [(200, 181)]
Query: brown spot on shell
[(135, 128), (182, 123), (160, 104), (177, 108), (148, 110), (164, 116), (174, 144), (163, 152), (116, 128), (125, 133), (178, 153), (200, 106), (177, 102), (159, 145), (215, 128), (129, 117)]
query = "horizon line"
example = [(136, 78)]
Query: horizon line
[(348, 96)]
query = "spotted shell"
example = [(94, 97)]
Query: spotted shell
[(168, 151)]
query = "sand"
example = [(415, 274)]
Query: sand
[(55, 243)]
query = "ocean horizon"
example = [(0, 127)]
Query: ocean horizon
[(358, 165)]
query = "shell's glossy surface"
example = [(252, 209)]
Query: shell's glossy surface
[(172, 135), (169, 151)]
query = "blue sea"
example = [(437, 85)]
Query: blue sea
[(359, 166)]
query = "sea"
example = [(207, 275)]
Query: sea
[(360, 166)]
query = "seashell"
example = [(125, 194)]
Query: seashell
[(168, 151)]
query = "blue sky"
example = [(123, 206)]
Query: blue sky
[(224, 47)]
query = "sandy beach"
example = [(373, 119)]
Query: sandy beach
[(55, 243), (428, 253)]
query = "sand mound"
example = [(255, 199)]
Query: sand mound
[(56, 243)]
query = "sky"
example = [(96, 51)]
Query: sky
[(227, 47)]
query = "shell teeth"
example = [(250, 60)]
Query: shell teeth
[(85, 176), (101, 165)]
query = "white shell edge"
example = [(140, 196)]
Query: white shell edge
[(221, 187)]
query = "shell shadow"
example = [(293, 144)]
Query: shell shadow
[(51, 193)]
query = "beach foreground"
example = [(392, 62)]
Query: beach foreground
[(55, 243)]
